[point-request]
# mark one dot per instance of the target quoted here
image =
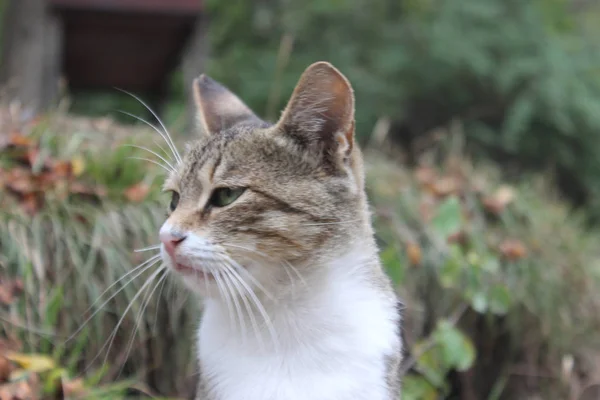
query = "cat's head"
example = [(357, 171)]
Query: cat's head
[(263, 202)]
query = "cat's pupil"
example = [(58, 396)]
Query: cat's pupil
[(174, 201)]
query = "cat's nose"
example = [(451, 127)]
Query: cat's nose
[(171, 240)]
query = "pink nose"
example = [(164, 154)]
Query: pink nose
[(171, 240)]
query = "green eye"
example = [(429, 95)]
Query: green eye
[(224, 196), (174, 201)]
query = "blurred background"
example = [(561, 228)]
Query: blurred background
[(480, 121)]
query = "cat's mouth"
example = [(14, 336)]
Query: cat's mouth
[(198, 273)]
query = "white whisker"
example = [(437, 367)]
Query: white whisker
[(172, 145), (153, 260), (162, 135), (283, 263), (153, 162), (257, 303), (154, 247), (225, 294), (252, 279), (152, 152), (247, 306), (138, 320), (112, 336), (158, 300)]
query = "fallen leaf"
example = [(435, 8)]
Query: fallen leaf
[(62, 169), (31, 156), (137, 192), (458, 238), (73, 387), (6, 295), (24, 389), (32, 362), (425, 175), (444, 187), (499, 200), (77, 166), (5, 369), (17, 139), (81, 189), (413, 251), (31, 203), (20, 180), (427, 208), (513, 250)]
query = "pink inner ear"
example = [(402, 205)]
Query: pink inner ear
[(322, 104)]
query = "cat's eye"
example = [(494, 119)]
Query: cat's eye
[(222, 197), (174, 201)]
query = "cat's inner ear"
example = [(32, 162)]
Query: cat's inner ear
[(321, 109), (218, 108)]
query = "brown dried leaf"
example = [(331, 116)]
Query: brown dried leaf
[(62, 169), (413, 251), (137, 192), (444, 186), (425, 175), (81, 189), (17, 139), (513, 249), (31, 202), (21, 390), (20, 180), (499, 200), (5, 369), (73, 387), (6, 294), (427, 208), (458, 238)]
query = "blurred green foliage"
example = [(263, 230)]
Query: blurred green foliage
[(492, 275), (521, 75), (476, 307)]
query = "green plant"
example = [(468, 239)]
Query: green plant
[(503, 276), (521, 75), (82, 301)]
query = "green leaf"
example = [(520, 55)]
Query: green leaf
[(457, 349), (431, 364), (447, 219), (499, 300), (418, 388), (450, 272), (479, 302), (393, 264)]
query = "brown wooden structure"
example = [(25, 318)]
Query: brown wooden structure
[(100, 44)]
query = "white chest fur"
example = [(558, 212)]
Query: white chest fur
[(332, 346)]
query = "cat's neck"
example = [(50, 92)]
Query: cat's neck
[(331, 338), (313, 303)]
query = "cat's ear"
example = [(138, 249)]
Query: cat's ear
[(218, 108), (321, 109)]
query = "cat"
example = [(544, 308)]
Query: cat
[(270, 225)]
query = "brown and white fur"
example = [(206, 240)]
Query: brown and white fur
[(296, 303)]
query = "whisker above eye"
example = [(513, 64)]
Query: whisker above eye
[(170, 142), (154, 162), (162, 135), (151, 152)]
